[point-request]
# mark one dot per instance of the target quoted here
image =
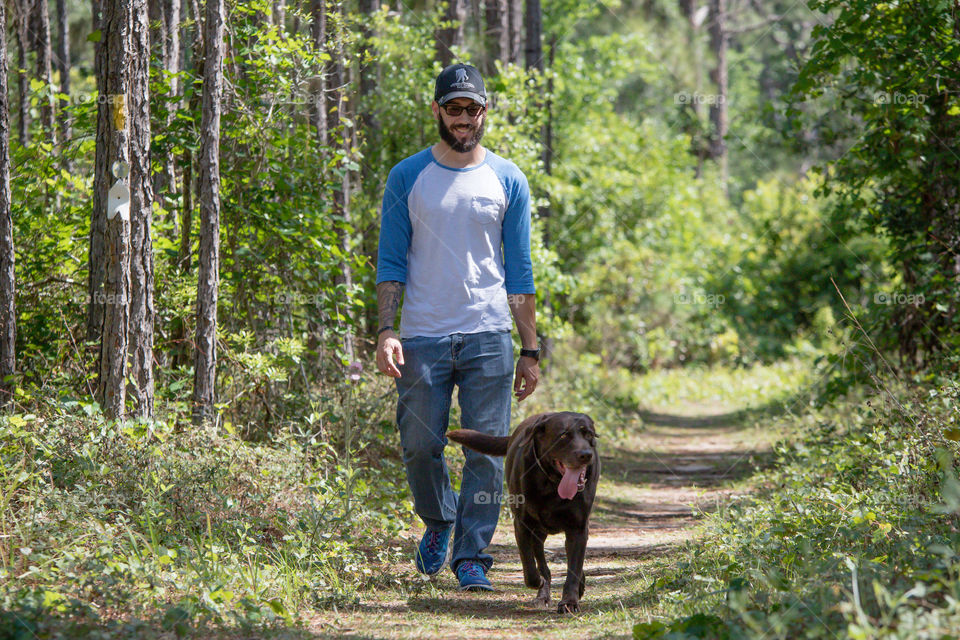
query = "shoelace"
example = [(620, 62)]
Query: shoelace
[(433, 541), (471, 569)]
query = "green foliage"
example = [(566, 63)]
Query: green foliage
[(187, 528), (855, 528), (893, 68)]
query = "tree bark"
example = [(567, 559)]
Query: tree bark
[(97, 250), (23, 84), (337, 135), (113, 122), (534, 49), (719, 39), (63, 66), (369, 70), (280, 16), (8, 314), (497, 34), (318, 31), (515, 30), (205, 368), (45, 66), (451, 36), (141, 386)]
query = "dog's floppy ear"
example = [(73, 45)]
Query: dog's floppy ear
[(537, 424)]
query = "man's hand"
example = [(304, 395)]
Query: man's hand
[(525, 381), (388, 347)]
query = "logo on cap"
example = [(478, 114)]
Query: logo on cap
[(462, 81)]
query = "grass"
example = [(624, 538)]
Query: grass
[(147, 530)]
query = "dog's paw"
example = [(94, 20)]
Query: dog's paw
[(541, 602), (568, 606)]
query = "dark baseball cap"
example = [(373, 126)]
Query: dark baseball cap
[(460, 81)]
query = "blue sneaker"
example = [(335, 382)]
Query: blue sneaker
[(434, 551), (473, 577)]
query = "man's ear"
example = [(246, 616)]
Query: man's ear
[(436, 110)]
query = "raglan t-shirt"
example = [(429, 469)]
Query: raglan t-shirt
[(460, 241)]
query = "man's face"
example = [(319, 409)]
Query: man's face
[(463, 132)]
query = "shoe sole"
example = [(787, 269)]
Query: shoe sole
[(475, 587)]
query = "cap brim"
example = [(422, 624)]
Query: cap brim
[(473, 95)]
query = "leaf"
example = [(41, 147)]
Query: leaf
[(95, 36)]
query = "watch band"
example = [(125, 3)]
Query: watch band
[(531, 353)]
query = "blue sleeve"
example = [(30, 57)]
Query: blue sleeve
[(395, 230), (517, 266)]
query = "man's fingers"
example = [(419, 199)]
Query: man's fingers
[(399, 351)]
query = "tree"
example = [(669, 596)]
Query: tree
[(23, 95), (44, 65), (514, 30), (451, 35), (141, 317), (205, 367), (63, 67), (497, 37), (113, 134), (719, 39), (337, 135), (8, 317), (533, 58)]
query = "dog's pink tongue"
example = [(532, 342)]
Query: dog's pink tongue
[(568, 486)]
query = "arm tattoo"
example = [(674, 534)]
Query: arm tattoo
[(389, 295)]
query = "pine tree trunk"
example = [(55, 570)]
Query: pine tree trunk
[(23, 84), (533, 51), (497, 34), (113, 120), (97, 250), (63, 66), (451, 36), (719, 39), (205, 368), (515, 30), (338, 135), (318, 111), (141, 220), (280, 16), (8, 315), (45, 67)]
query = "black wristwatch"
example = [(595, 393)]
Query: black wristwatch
[(531, 353)]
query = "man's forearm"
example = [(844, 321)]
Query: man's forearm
[(523, 306), (389, 295)]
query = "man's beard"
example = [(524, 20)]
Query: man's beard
[(456, 145)]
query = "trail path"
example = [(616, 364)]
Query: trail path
[(649, 487)]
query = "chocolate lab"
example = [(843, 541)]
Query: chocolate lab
[(552, 469)]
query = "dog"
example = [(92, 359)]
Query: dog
[(552, 468)]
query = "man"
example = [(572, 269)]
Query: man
[(455, 245)]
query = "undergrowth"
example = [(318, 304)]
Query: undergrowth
[(853, 533), (126, 530)]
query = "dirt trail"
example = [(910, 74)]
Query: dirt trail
[(645, 507)]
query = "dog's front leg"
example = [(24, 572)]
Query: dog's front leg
[(536, 575), (573, 586)]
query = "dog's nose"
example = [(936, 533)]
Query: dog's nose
[(584, 455)]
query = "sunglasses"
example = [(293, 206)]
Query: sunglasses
[(455, 110)]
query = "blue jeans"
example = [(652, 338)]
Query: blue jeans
[(481, 366)]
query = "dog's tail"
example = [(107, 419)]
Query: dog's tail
[(490, 445)]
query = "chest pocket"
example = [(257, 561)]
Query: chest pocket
[(485, 210)]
